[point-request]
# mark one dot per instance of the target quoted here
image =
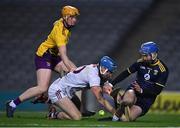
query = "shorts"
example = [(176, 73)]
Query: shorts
[(47, 61), (143, 102), (57, 91)]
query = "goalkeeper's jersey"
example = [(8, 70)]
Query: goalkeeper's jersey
[(58, 37)]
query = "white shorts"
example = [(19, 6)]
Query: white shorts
[(56, 92)]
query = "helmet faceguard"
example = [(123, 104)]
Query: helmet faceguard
[(107, 66)]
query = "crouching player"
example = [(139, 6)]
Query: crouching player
[(62, 90), (151, 78)]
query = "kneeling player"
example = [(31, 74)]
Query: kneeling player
[(62, 90)]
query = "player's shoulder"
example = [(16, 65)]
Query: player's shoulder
[(161, 65), (137, 63), (92, 66), (58, 23)]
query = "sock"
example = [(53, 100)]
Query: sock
[(56, 115), (115, 118), (15, 102), (12, 104)]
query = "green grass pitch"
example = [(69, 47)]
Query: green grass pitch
[(37, 119)]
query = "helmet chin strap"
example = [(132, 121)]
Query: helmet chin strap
[(154, 56), (66, 24), (102, 73)]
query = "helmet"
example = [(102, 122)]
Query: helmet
[(149, 48), (108, 63), (69, 11)]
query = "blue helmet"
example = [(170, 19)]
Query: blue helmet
[(108, 63), (148, 48)]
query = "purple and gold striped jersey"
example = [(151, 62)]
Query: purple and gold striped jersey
[(58, 37)]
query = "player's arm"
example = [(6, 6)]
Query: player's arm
[(153, 89), (149, 90), (61, 41), (97, 91), (120, 77), (133, 68), (68, 63)]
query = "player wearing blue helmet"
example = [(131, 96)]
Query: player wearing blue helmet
[(149, 51), (151, 77), (108, 63), (90, 76), (106, 67)]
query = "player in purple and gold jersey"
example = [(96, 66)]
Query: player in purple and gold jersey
[(50, 56)]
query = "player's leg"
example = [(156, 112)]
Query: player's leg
[(60, 67), (63, 116), (62, 70), (68, 108), (43, 79), (135, 112), (54, 114), (129, 98), (58, 95), (127, 101), (141, 107)]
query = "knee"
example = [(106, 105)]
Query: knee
[(42, 89), (77, 116), (127, 101)]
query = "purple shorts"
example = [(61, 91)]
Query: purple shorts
[(47, 61)]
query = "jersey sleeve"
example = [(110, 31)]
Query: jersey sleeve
[(93, 77), (120, 77), (133, 68)]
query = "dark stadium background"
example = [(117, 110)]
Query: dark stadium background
[(106, 27)]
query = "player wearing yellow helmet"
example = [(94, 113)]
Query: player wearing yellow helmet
[(69, 11), (51, 55)]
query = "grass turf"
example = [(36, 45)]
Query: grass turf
[(37, 119)]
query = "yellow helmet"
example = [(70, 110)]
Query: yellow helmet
[(69, 11)]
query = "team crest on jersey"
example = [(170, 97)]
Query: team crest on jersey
[(155, 72), (147, 76)]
